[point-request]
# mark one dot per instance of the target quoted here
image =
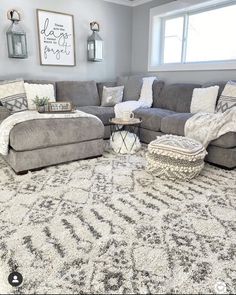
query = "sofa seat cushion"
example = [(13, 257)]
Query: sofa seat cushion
[(78, 93), (174, 124), (103, 113), (37, 134), (227, 140), (151, 118)]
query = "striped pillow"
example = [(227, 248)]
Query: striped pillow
[(13, 96), (228, 98)]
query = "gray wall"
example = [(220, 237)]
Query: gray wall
[(140, 51), (116, 30)]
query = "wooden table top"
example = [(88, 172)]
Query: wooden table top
[(120, 121)]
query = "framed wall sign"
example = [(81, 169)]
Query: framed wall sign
[(56, 38)]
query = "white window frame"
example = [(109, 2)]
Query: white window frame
[(158, 15)]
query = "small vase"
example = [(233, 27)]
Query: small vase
[(41, 109)]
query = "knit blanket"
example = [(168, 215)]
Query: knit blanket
[(205, 127), (7, 125)]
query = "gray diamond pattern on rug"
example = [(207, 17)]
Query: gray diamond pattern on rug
[(107, 226)]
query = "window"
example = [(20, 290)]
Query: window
[(200, 36)]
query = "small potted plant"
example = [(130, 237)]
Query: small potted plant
[(41, 103)]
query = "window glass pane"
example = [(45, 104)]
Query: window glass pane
[(173, 40), (211, 35)]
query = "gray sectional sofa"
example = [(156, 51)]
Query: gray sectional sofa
[(36, 144)]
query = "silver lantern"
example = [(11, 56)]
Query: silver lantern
[(95, 44), (16, 37)]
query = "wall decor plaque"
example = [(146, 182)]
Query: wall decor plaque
[(56, 38)]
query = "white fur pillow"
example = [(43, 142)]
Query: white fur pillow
[(40, 90), (204, 100)]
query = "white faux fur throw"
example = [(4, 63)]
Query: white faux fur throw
[(145, 100), (7, 125), (205, 127)]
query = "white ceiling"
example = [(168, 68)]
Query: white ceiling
[(131, 3)]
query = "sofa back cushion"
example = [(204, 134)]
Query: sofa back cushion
[(157, 88), (176, 97), (78, 93), (133, 86)]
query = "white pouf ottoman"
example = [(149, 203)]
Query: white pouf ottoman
[(124, 142), (175, 157)]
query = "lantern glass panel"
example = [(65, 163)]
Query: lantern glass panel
[(10, 45), (98, 50), (91, 50)]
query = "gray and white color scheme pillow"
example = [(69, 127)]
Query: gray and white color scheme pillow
[(228, 98), (13, 96), (112, 95)]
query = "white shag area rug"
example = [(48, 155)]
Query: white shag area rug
[(107, 226)]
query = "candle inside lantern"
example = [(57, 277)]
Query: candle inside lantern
[(18, 48)]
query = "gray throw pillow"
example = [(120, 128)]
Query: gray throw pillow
[(228, 98), (13, 96), (112, 95)]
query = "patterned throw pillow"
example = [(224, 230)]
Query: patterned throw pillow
[(112, 95), (13, 96), (228, 98)]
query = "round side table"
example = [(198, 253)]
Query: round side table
[(128, 130)]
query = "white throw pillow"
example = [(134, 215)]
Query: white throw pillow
[(112, 96), (204, 100), (40, 90)]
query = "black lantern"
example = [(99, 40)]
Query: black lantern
[(95, 44), (16, 37)]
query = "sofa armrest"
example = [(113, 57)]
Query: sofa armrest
[(4, 113)]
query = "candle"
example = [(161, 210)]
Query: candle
[(18, 48)]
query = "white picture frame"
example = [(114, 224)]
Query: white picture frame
[(56, 38)]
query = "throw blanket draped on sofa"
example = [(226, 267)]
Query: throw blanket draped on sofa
[(145, 100), (205, 127), (8, 124)]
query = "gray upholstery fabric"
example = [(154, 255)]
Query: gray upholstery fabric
[(133, 86), (147, 136), (35, 134), (103, 113), (174, 124), (78, 93), (176, 97), (101, 85), (107, 132), (28, 160), (152, 117), (221, 156), (157, 88), (227, 140), (4, 113)]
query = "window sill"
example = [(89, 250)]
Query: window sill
[(213, 66)]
